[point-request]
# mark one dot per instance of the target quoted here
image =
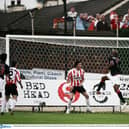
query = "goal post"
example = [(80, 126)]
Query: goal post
[(7, 49), (2, 44), (115, 42)]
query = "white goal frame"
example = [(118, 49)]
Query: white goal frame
[(35, 38)]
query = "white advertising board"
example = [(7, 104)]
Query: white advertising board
[(55, 93), (124, 87), (46, 74)]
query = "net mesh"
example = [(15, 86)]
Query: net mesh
[(61, 53)]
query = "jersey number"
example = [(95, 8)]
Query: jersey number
[(10, 74)]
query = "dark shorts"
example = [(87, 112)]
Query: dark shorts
[(79, 89), (0, 94), (11, 90)]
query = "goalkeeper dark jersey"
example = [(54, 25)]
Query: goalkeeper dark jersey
[(4, 70), (115, 67)]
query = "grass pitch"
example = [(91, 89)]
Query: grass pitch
[(62, 118)]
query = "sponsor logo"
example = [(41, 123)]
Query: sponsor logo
[(35, 90), (102, 97), (64, 93)]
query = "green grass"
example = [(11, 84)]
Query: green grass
[(62, 118)]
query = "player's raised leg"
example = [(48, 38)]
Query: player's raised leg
[(101, 84), (117, 90)]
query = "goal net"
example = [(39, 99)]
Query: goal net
[(54, 52), (60, 53)]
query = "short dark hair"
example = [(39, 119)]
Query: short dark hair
[(3, 57), (76, 63), (114, 52), (13, 63)]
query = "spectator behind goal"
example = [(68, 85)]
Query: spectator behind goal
[(114, 20), (126, 23), (124, 18), (72, 14), (91, 23), (97, 19), (102, 25), (86, 21), (79, 22)]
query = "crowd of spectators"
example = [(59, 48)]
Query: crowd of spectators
[(90, 23), (122, 22), (84, 21)]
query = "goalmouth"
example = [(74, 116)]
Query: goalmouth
[(60, 53)]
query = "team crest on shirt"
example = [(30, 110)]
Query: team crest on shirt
[(77, 78), (64, 93)]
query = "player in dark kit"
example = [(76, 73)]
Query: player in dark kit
[(113, 75), (4, 70)]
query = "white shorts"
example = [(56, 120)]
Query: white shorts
[(115, 80), (1, 84)]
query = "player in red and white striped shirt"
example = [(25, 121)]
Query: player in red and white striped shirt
[(11, 86), (75, 78)]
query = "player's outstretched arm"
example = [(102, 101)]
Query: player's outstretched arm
[(21, 84)]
